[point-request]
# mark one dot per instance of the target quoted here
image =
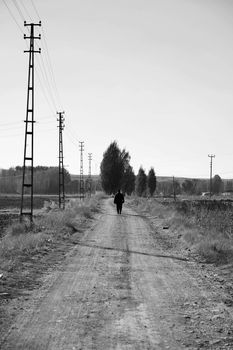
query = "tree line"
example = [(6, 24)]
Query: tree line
[(117, 173), (46, 181), (194, 186)]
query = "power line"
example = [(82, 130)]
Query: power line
[(50, 104), (75, 137), (11, 123), (14, 135), (42, 122), (44, 72), (11, 128), (43, 91), (48, 59), (46, 117), (26, 11), (42, 66), (35, 9), (19, 10), (12, 16), (50, 66), (49, 89), (45, 76)]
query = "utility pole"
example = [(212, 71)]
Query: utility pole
[(61, 126), (27, 183), (211, 156), (89, 174), (81, 179), (174, 189)]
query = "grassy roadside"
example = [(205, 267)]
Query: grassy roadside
[(27, 254), (21, 243), (204, 227)]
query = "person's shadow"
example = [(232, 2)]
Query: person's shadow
[(128, 251)]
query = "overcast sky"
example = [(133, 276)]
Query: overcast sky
[(154, 75)]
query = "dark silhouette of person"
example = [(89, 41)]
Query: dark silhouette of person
[(119, 200)]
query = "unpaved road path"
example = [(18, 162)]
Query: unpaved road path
[(118, 289)]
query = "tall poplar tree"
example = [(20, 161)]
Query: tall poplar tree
[(141, 182), (151, 181), (128, 183), (112, 168)]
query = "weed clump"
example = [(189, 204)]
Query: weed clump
[(215, 250), (17, 228)]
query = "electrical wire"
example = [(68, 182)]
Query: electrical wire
[(35, 9), (48, 86), (14, 135), (72, 136), (37, 73), (19, 10), (48, 59), (12, 16), (50, 105), (49, 89), (7, 124), (71, 141), (11, 128), (26, 11), (45, 122), (42, 66)]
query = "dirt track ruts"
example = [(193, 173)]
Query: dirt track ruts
[(119, 290)]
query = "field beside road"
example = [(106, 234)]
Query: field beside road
[(204, 227), (10, 201)]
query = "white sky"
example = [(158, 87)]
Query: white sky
[(155, 75)]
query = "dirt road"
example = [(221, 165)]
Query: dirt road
[(119, 289)]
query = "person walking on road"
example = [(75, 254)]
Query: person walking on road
[(119, 200)]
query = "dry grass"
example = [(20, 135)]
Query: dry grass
[(12, 246), (21, 238), (205, 227)]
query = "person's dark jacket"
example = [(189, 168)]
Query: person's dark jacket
[(119, 198)]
